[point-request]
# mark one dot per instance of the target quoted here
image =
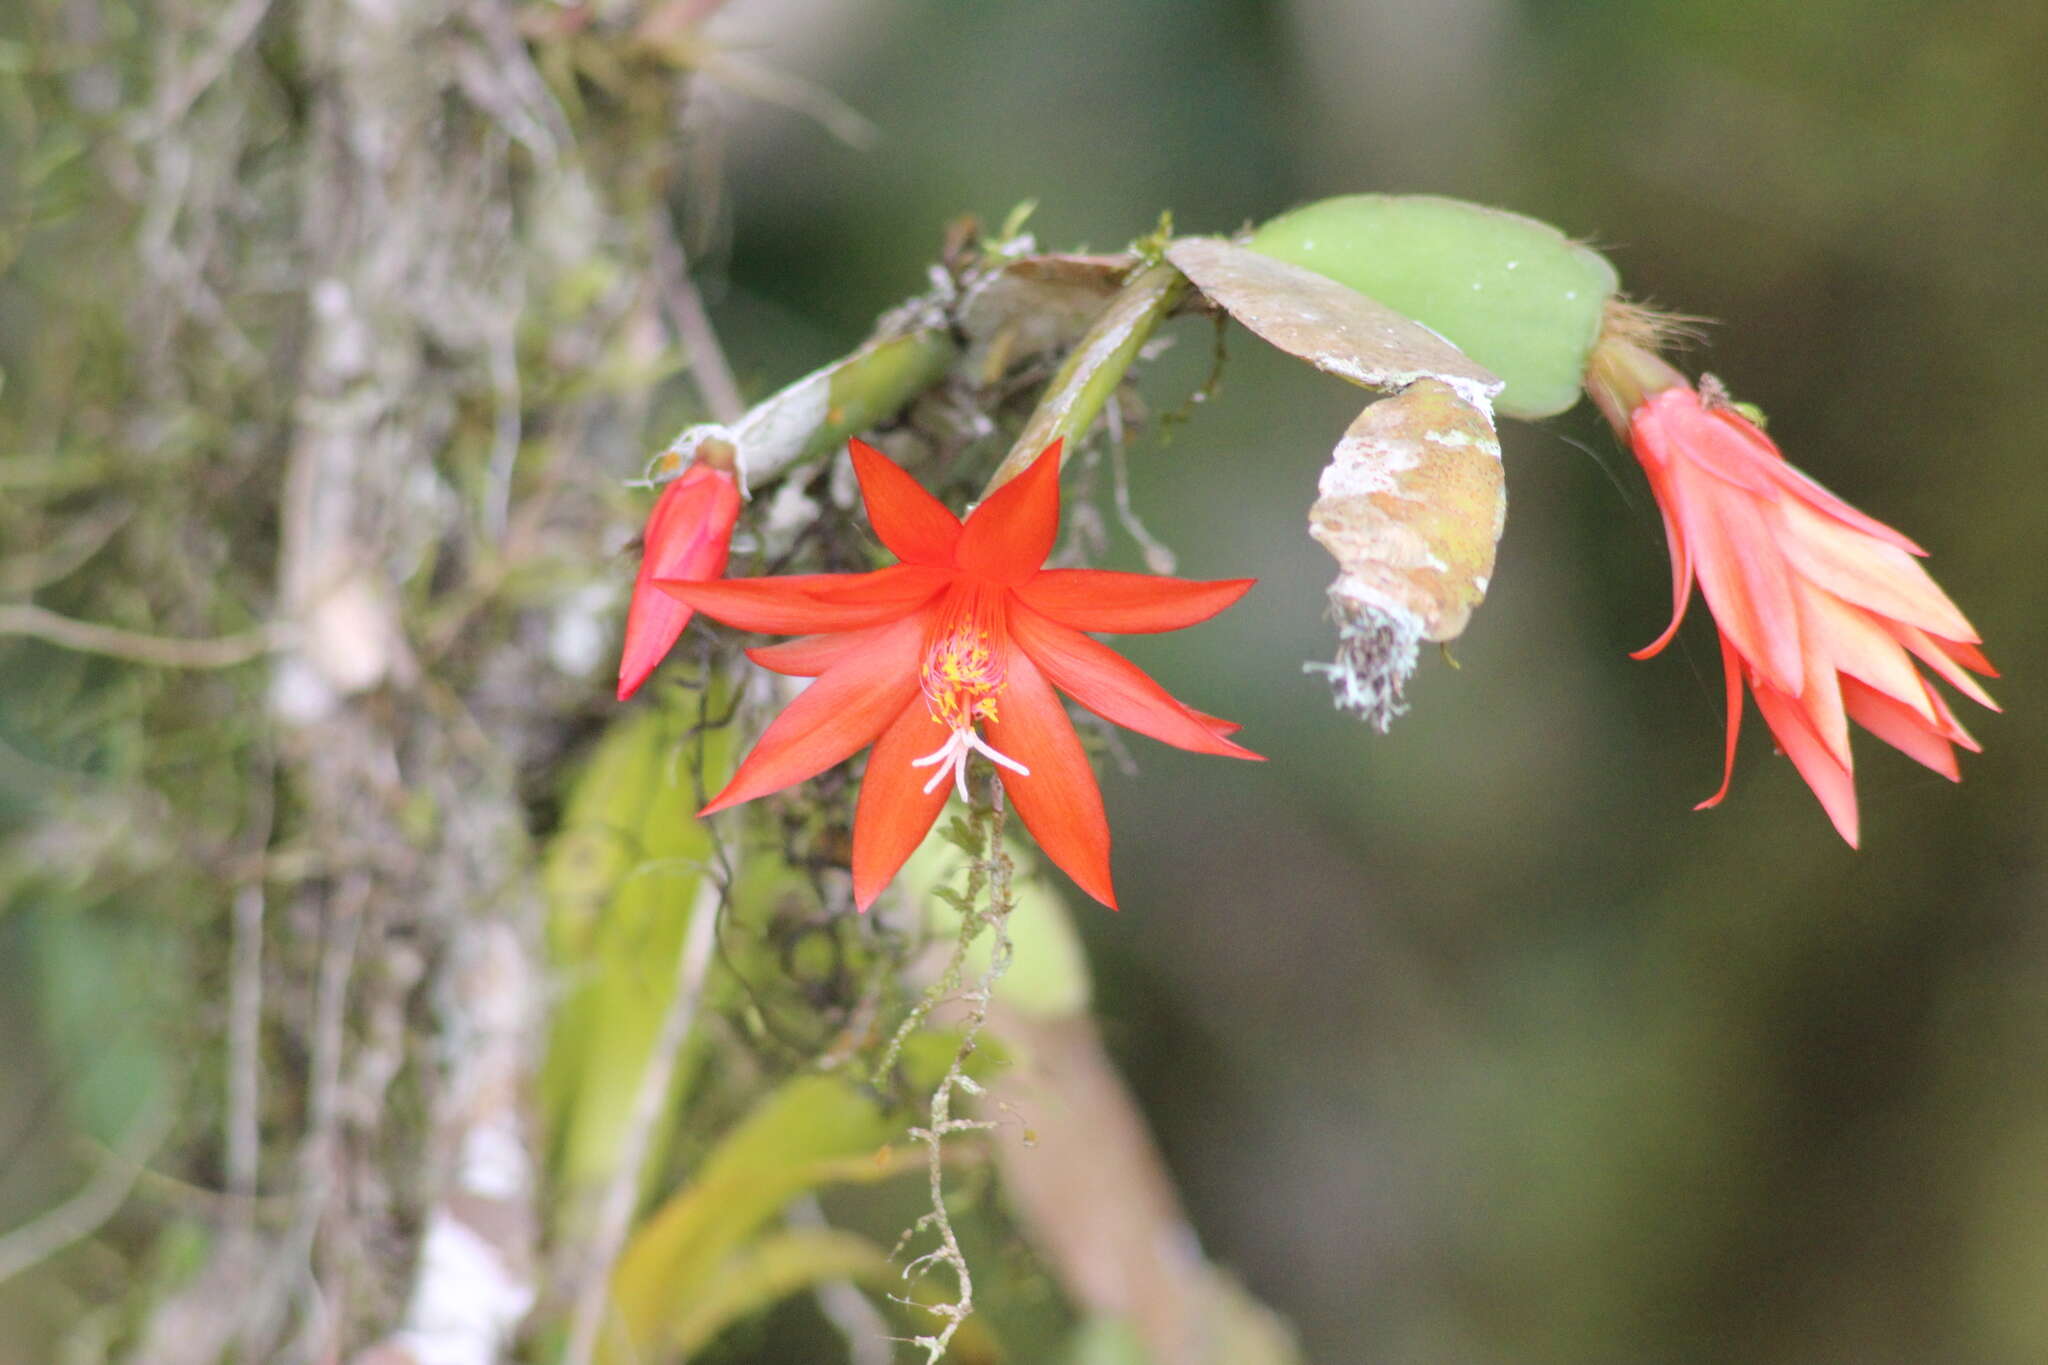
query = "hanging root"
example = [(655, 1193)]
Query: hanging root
[(985, 902), (1376, 650)]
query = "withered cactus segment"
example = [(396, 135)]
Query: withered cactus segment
[(1411, 506)]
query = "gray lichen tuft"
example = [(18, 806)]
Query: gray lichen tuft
[(1376, 652)]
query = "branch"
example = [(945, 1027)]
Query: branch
[(226, 651), (83, 1214), (708, 366)]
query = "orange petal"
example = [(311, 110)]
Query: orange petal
[(1113, 687), (791, 606), (1010, 534), (1059, 802), (915, 526), (810, 655), (904, 585), (1829, 780), (1127, 603), (895, 812), (833, 719)]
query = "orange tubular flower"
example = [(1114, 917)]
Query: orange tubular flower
[(689, 534), (1821, 608), (954, 652)]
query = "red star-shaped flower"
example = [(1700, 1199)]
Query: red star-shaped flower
[(958, 651)]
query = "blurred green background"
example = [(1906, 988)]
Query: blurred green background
[(1473, 1042)]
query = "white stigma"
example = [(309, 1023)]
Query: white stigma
[(951, 758)]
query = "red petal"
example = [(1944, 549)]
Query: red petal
[(1814, 494), (915, 526), (1113, 687), (1968, 655), (1743, 574), (1681, 562), (1010, 534), (1948, 727), (1820, 694), (1673, 428), (791, 606), (1858, 644), (1675, 425), (1829, 780), (1059, 802), (1731, 670), (895, 812), (1938, 655), (1127, 603), (907, 585), (810, 655), (834, 718), (654, 622), (1866, 572), (1901, 727)]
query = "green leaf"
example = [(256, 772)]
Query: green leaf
[(767, 1271), (1515, 294), (621, 879), (1106, 1341), (814, 1130)]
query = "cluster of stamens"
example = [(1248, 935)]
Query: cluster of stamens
[(961, 674)]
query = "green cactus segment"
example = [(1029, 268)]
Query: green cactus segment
[(1516, 295), (877, 381), (815, 415), (1093, 370)]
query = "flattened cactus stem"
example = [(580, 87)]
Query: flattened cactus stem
[(813, 417), (878, 381), (1094, 368)]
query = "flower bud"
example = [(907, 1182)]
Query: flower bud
[(689, 535)]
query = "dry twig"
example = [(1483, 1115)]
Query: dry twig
[(226, 651)]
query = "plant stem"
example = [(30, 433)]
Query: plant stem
[(992, 868)]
